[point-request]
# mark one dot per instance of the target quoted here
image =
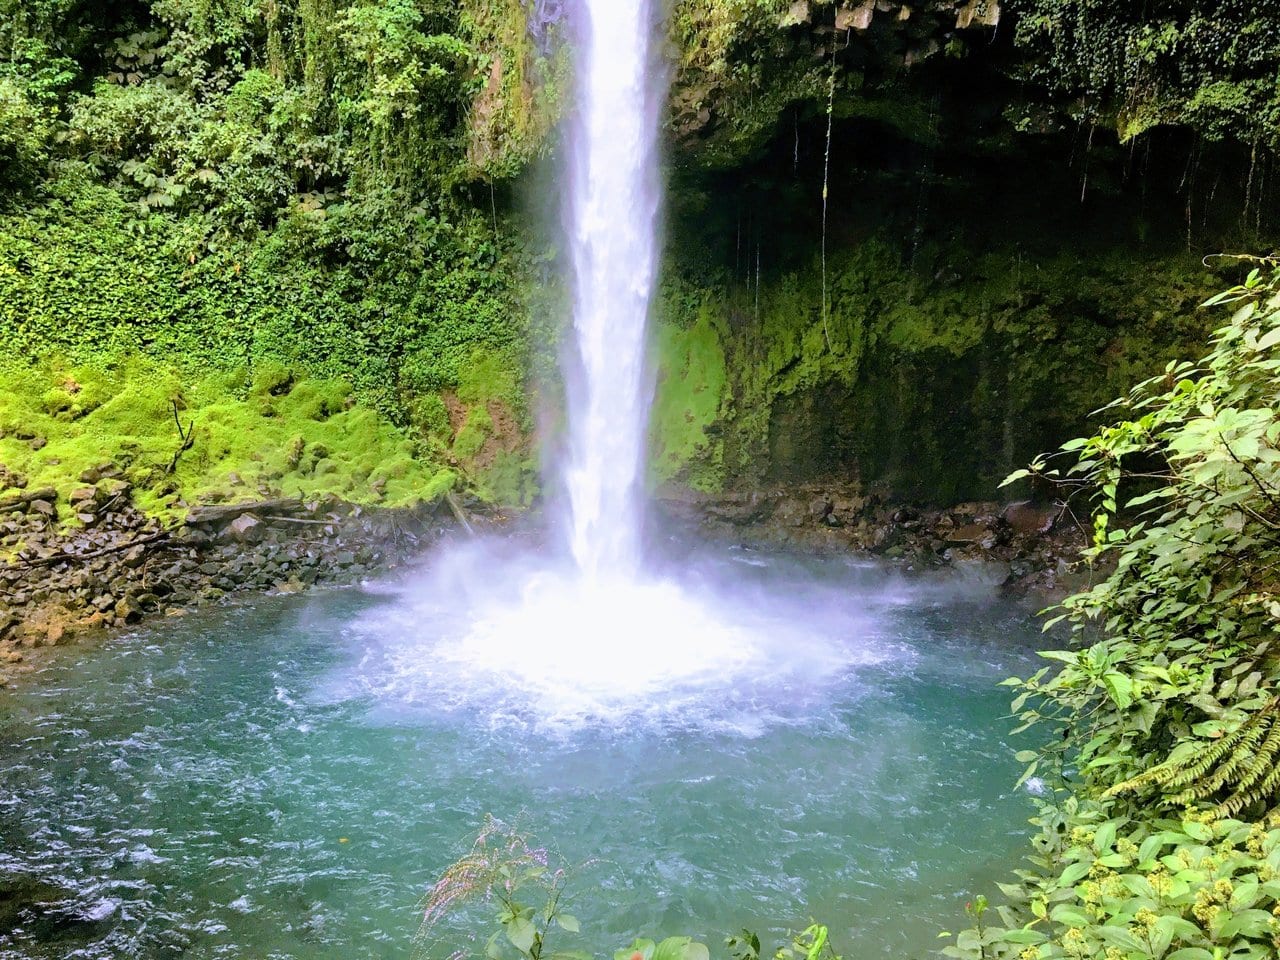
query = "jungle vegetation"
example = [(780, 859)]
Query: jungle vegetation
[(356, 191), (311, 228)]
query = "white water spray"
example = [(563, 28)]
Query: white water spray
[(612, 217)]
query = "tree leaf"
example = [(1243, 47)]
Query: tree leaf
[(521, 932)]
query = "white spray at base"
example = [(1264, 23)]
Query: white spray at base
[(604, 642)]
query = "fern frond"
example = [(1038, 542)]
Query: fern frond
[(1241, 764)]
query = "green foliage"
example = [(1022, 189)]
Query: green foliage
[(1202, 63), (504, 868), (237, 111), (743, 64), (528, 886), (672, 948), (746, 65), (32, 80), (1140, 887), (520, 86), (223, 186), (738, 65), (690, 397), (83, 277), (1189, 614), (1170, 843), (811, 943), (82, 274), (406, 65)]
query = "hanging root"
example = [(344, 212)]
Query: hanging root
[(826, 180)]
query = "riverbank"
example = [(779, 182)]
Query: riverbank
[(87, 562), (1025, 549), (81, 565)]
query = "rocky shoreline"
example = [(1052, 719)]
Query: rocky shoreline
[(112, 565), (1025, 548), (79, 566)]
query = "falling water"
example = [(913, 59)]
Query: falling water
[(612, 214)]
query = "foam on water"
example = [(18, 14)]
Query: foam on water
[(558, 652)]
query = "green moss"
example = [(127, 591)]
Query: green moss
[(473, 434), (689, 400), (440, 484), (935, 381), (512, 480), (271, 377), (310, 441), (490, 375), (519, 88), (429, 415)]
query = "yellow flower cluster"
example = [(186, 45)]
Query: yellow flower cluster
[(1209, 900), (1255, 841), (1160, 881)]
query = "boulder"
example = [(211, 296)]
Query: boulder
[(797, 13), (112, 488), (1030, 518), (82, 495), (820, 508), (102, 471), (855, 17), (129, 610), (246, 528), (969, 533)]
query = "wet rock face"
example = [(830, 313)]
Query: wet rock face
[(1023, 547), (73, 567)]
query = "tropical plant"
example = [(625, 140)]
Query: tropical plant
[(528, 886), (505, 868), (1165, 838)]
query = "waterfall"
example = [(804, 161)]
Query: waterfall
[(611, 214), (602, 640)]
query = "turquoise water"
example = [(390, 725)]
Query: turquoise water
[(186, 791)]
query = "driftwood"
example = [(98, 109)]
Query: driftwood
[(188, 437), (459, 515), (222, 512)]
